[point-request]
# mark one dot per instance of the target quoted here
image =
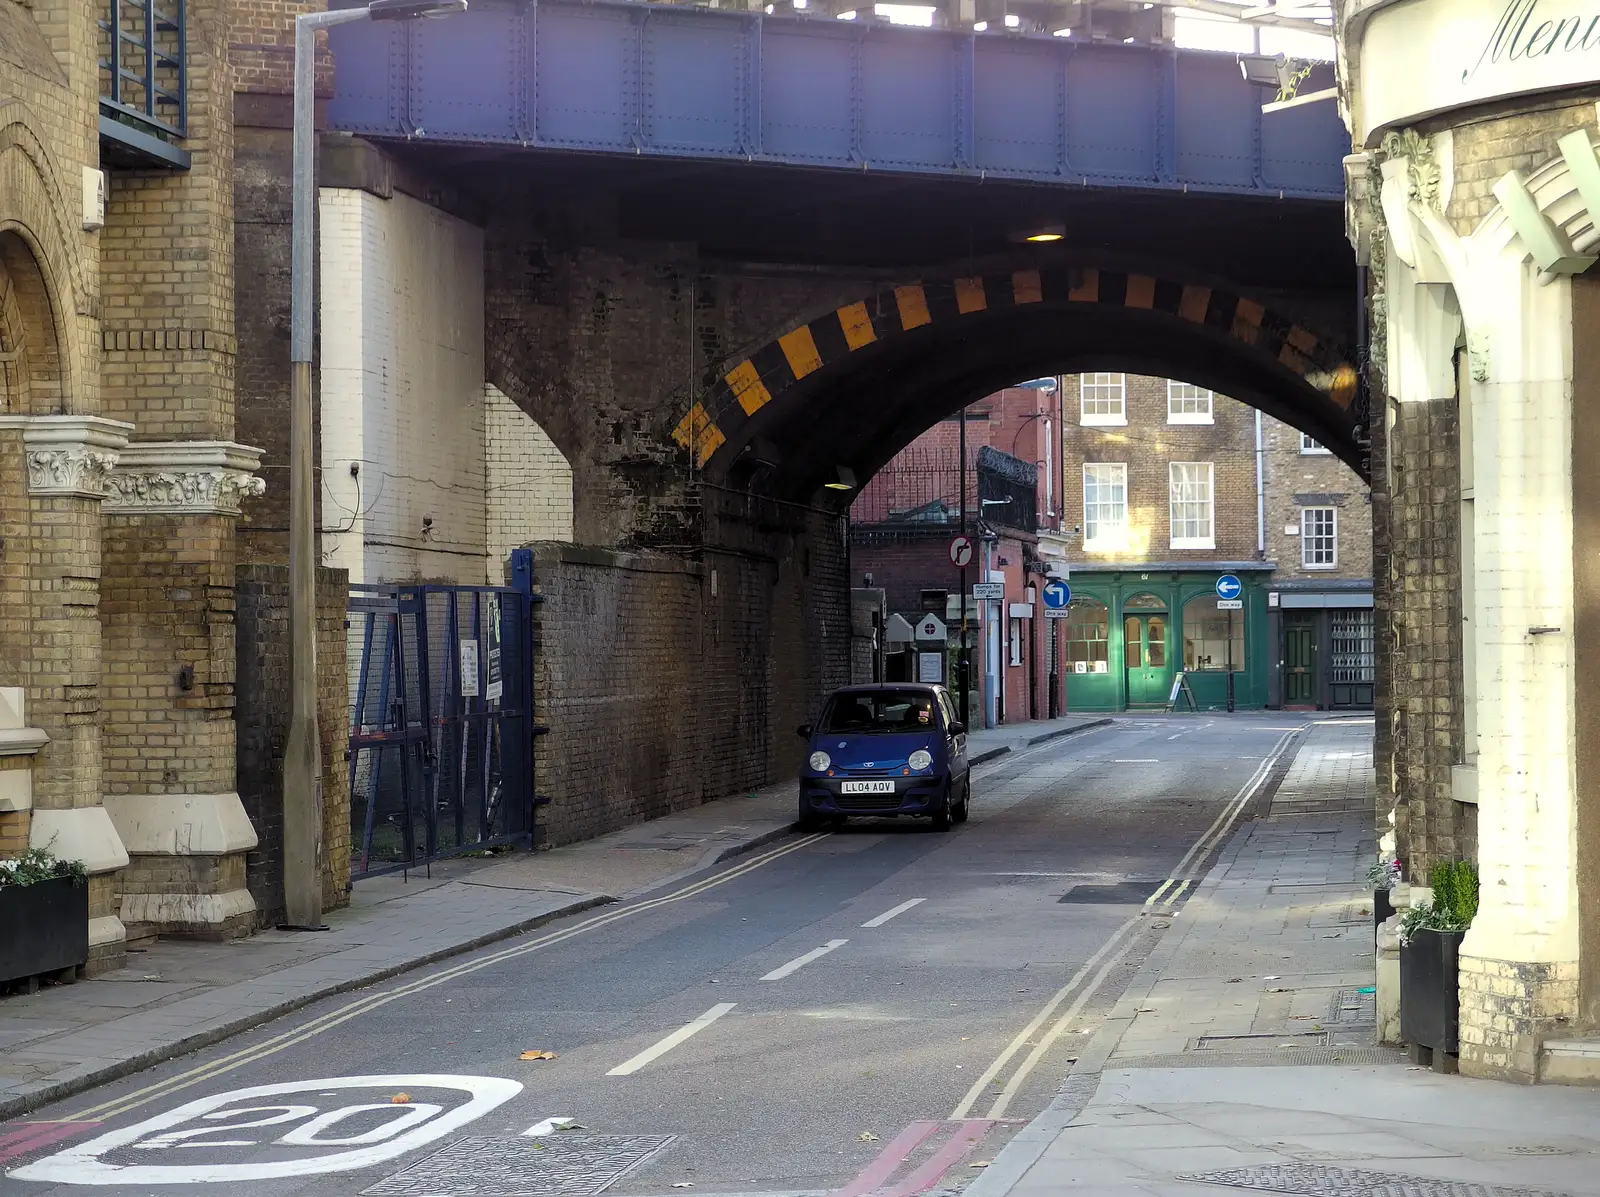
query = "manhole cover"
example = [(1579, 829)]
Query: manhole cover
[(1123, 893), (1351, 1007), (1260, 1043), (1322, 1180), (567, 1165)]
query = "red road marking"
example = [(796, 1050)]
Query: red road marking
[(959, 1146), (22, 1138), (888, 1160)]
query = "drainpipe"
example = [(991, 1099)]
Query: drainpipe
[(1261, 494)]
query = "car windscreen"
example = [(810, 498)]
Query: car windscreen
[(886, 711)]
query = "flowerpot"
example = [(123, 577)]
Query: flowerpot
[(1382, 908), (1430, 1007), (44, 927)]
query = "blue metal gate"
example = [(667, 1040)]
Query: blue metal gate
[(441, 723)]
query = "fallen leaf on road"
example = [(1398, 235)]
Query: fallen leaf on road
[(866, 1137), (537, 1055), (981, 1164), (1234, 980), (1272, 978), (683, 1184), (400, 1099)]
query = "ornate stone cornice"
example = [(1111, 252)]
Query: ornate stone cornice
[(70, 456), (184, 478)]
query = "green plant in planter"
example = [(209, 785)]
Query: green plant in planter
[(1455, 901), (36, 865), (1384, 874)]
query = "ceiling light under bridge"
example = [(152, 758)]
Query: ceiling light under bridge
[(845, 479)]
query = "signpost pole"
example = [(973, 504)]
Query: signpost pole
[(964, 665), (1230, 660)]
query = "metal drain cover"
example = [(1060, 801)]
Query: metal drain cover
[(1322, 1180), (565, 1165)]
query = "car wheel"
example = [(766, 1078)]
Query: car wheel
[(941, 813), (962, 811)]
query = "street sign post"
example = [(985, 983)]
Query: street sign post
[(1057, 594), (961, 552), (992, 592), (1229, 589)]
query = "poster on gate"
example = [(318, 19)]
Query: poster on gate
[(496, 686)]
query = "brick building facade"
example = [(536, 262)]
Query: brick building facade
[(1468, 204), (1169, 487), (902, 523)]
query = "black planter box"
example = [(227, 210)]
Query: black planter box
[(1430, 1007), (44, 928), (1382, 908)]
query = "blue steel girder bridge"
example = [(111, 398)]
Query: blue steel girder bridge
[(1191, 234)]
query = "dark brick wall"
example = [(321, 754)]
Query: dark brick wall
[(661, 694), (261, 716), (605, 342), (1425, 690)]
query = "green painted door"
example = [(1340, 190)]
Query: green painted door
[(1299, 660), (1144, 648)]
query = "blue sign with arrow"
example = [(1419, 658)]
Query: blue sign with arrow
[(1057, 594), (1229, 587)]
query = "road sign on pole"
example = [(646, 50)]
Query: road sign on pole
[(1057, 594), (989, 591), (1229, 587), (961, 551)]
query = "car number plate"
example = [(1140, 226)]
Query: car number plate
[(867, 787)]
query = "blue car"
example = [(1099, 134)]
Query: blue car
[(886, 750)]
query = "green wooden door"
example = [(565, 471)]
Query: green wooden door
[(1299, 660), (1144, 649)]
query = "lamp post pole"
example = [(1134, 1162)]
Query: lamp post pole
[(302, 764)]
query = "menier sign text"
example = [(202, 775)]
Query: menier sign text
[(1422, 57)]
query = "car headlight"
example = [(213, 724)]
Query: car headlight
[(820, 761), (920, 759)]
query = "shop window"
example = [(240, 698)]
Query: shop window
[(1187, 403), (1212, 638), (1191, 498), (1319, 537), (1103, 399), (1088, 636), (1105, 505)]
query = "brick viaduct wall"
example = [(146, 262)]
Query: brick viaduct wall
[(669, 682)]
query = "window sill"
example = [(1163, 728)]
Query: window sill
[(1316, 452), (1172, 419), (1208, 543), (1320, 568), (1103, 421)]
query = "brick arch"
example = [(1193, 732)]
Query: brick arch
[(41, 275), (783, 387)]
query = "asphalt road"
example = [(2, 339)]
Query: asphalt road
[(870, 1010)]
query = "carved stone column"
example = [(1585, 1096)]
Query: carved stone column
[(169, 614)]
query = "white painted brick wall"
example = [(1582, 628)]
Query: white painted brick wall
[(528, 479), (402, 390)]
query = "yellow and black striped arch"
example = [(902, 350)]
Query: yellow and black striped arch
[(752, 383)]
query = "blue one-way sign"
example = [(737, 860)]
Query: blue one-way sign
[(1229, 587), (1057, 594)]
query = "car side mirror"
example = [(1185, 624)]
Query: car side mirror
[(958, 728), (803, 731)]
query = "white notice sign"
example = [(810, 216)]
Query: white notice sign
[(469, 669), (930, 667)]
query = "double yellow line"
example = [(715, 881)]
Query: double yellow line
[(360, 1006)]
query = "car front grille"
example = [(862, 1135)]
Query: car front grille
[(867, 802)]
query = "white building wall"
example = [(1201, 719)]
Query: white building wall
[(528, 479), (401, 323)]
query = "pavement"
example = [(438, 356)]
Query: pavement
[(176, 997), (1242, 1055)]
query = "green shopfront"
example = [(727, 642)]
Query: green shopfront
[(1129, 633)]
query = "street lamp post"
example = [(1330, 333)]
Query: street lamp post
[(302, 767)]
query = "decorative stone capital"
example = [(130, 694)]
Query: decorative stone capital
[(184, 478), (69, 455)]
